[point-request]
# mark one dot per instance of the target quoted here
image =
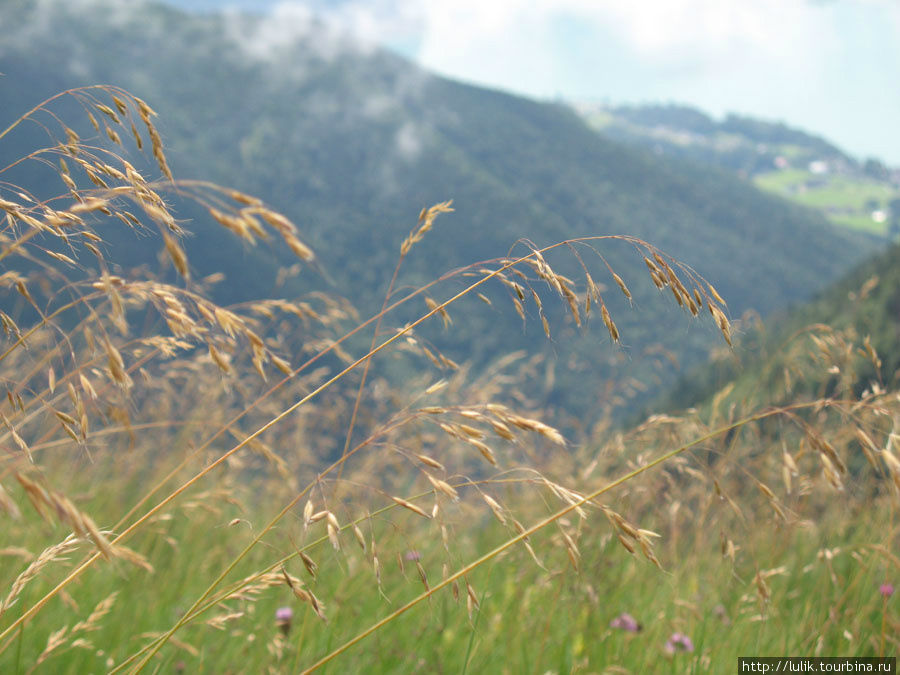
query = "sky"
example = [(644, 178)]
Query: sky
[(829, 67)]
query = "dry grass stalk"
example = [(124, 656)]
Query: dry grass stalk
[(610, 326), (429, 461), (528, 424), (54, 641), (426, 222), (221, 621), (434, 306), (526, 542), (51, 554), (92, 622), (360, 538), (443, 487), (309, 564), (82, 524), (817, 442), (304, 594), (621, 284), (870, 450), (410, 506), (495, 507), (333, 536), (891, 461), (17, 439)]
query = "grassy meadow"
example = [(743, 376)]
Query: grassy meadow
[(845, 199), (191, 487)]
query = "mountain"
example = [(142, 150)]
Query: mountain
[(350, 141), (806, 169), (843, 340), (742, 144)]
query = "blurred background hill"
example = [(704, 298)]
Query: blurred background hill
[(351, 141)]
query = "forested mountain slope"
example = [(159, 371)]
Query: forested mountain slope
[(351, 141)]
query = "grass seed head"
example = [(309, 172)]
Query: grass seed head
[(410, 506)]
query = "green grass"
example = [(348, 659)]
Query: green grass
[(529, 620)]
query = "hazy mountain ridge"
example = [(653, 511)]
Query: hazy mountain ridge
[(807, 169), (350, 141), (737, 142)]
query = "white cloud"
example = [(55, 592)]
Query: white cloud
[(376, 21), (328, 28), (408, 141), (522, 44), (519, 43), (657, 27), (271, 36), (264, 38)]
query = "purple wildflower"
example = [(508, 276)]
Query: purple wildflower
[(283, 618), (626, 622), (679, 642), (886, 590), (412, 556)]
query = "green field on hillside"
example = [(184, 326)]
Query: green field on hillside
[(846, 200)]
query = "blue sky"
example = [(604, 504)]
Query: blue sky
[(831, 67)]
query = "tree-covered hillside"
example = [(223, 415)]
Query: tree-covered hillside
[(854, 322), (351, 141)]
